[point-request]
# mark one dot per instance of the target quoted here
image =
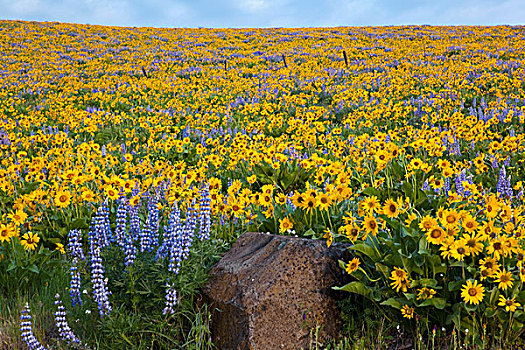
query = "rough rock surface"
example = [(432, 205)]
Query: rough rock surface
[(270, 292)]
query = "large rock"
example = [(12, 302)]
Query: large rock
[(270, 292)]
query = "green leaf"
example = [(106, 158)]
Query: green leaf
[(438, 303), (383, 269), (393, 302), (494, 294), (398, 170), (421, 198), (517, 326), (356, 287), (395, 224), (410, 296), (370, 191), (393, 260), (419, 260), (367, 250), (80, 223), (33, 268), (12, 266), (428, 282), (309, 233), (408, 232), (376, 295), (454, 285), (521, 297)]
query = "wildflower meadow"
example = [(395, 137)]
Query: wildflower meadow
[(132, 158)]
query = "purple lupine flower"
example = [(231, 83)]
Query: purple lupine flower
[(170, 234), (171, 299), (75, 284), (455, 149), (494, 163), (121, 223), (153, 218), (100, 290), (189, 230), (162, 251), (459, 184), (205, 214), (464, 179), (130, 251), (98, 232), (501, 188), (64, 331), (134, 221), (74, 245), (149, 233), (145, 243), (75, 250), (26, 330), (175, 240), (425, 187)]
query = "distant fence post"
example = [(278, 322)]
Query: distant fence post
[(284, 61), (346, 58)]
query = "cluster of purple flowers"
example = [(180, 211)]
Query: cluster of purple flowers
[(455, 148), (172, 248), (189, 230), (171, 299), (134, 231), (176, 245), (174, 240), (179, 238), (425, 186), (460, 179), (100, 231), (205, 214), (149, 233), (100, 290), (121, 222), (504, 188), (26, 330), (75, 250), (64, 330)]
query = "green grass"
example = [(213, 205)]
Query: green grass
[(41, 298)]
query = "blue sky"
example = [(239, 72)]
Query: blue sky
[(266, 13)]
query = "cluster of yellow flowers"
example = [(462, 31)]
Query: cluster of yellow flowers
[(89, 113)]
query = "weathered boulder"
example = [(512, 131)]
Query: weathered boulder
[(270, 292)]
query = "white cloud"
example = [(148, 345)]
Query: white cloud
[(253, 5)]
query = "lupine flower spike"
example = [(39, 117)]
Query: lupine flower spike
[(64, 331), (26, 330)]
